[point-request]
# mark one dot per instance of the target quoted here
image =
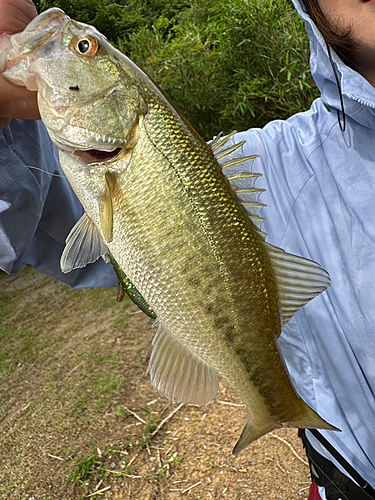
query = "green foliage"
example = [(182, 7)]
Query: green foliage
[(152, 423), (167, 466), (87, 467), (93, 466), (122, 412), (226, 64), (150, 427)]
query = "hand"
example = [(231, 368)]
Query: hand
[(16, 101)]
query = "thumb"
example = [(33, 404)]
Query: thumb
[(4, 122), (16, 15)]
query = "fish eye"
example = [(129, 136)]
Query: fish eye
[(86, 45)]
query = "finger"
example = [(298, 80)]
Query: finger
[(16, 15), (17, 102), (4, 122)]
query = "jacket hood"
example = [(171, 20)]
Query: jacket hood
[(355, 89)]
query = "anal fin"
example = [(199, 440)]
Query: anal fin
[(178, 374)]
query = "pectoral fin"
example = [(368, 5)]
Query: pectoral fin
[(106, 216), (178, 374), (83, 246), (106, 206)]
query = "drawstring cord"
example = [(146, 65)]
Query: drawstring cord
[(343, 124)]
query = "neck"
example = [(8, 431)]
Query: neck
[(364, 63), (370, 77)]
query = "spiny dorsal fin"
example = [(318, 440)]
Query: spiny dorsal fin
[(178, 374), (238, 169), (84, 245), (298, 281)]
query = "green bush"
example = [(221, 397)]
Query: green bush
[(226, 64)]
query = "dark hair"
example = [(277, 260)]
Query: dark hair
[(339, 38)]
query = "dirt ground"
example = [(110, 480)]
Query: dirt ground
[(79, 418)]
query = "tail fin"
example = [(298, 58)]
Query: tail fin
[(251, 434), (306, 417)]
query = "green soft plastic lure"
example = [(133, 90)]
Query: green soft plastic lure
[(126, 286)]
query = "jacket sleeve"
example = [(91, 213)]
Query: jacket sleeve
[(38, 208)]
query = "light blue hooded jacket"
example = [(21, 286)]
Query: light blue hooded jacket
[(319, 186), (38, 208)]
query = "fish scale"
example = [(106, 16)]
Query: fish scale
[(156, 201), (199, 227)]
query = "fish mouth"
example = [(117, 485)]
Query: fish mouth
[(89, 156), (105, 152)]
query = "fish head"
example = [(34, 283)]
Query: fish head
[(88, 98)]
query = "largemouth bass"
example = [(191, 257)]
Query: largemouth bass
[(156, 201)]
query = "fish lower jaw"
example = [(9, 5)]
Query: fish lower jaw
[(64, 140), (107, 151), (91, 157), (100, 156)]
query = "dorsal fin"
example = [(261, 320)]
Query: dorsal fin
[(298, 281), (238, 170)]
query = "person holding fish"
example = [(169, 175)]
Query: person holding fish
[(318, 173), (317, 170), (37, 209)]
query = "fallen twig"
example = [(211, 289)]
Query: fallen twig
[(153, 401), (289, 445), (279, 466), (228, 403), (304, 488), (158, 457), (99, 492), (153, 434), (54, 456), (74, 369), (98, 485), (166, 419), (191, 487), (135, 415), (133, 459)]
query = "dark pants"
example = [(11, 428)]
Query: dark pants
[(337, 485)]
